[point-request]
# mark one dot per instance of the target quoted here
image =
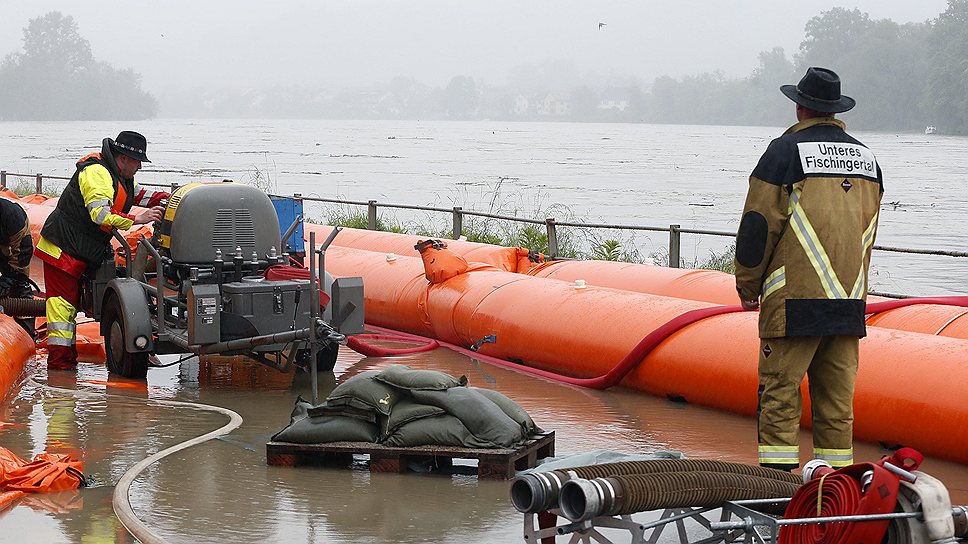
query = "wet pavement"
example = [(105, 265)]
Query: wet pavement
[(223, 491)]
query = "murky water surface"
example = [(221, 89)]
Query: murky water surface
[(223, 491)]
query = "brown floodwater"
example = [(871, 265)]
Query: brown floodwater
[(223, 491)]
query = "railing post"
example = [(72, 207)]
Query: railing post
[(3, 179), (40, 183), (552, 238), (674, 246), (371, 215), (458, 230)]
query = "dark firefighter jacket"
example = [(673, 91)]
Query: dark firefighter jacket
[(804, 242), (95, 200), (16, 246)]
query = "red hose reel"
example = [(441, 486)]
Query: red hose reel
[(859, 489)]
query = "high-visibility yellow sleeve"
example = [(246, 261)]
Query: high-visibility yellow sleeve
[(97, 190)]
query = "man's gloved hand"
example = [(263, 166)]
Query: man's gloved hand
[(6, 285)]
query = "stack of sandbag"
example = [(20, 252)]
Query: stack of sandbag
[(401, 407)]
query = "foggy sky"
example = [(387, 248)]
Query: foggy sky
[(179, 44)]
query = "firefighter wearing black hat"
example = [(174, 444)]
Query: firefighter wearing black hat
[(802, 255), (76, 235)]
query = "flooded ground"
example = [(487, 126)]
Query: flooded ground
[(223, 491)]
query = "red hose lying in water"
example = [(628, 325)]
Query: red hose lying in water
[(358, 344), (651, 340)]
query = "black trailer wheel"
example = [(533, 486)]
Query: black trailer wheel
[(119, 360), (325, 358)]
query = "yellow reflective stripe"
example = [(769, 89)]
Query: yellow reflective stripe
[(48, 247), (97, 204), (860, 287), (779, 455), (774, 281), (836, 457), (815, 252)]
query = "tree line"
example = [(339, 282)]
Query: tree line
[(56, 78), (904, 77)]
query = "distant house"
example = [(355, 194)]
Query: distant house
[(552, 106), (521, 105), (614, 99)]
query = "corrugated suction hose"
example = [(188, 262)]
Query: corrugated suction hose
[(24, 307), (538, 491), (582, 499)]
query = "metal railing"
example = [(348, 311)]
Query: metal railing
[(550, 224)]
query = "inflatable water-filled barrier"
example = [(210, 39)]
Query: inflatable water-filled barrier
[(690, 284), (907, 390)]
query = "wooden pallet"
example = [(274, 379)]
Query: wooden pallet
[(499, 464)]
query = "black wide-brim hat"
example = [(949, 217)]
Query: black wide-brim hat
[(819, 90), (131, 144)]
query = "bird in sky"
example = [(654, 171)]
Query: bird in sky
[(600, 25)]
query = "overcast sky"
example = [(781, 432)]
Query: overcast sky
[(178, 44)]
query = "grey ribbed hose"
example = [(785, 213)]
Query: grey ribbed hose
[(628, 494), (653, 466), (538, 491), (120, 500)]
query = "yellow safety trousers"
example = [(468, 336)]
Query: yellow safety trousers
[(61, 322)]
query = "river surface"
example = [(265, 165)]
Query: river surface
[(223, 491), (628, 174)]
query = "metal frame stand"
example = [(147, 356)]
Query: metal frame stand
[(686, 525)]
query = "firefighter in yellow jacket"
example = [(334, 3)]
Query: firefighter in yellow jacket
[(802, 256), (76, 236)]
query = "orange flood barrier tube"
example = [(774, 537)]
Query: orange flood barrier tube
[(691, 284), (16, 347), (908, 385), (511, 259)]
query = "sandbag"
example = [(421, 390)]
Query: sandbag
[(365, 392), (482, 417), (510, 408), (316, 430), (306, 429), (405, 412), (442, 430), (404, 377)]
